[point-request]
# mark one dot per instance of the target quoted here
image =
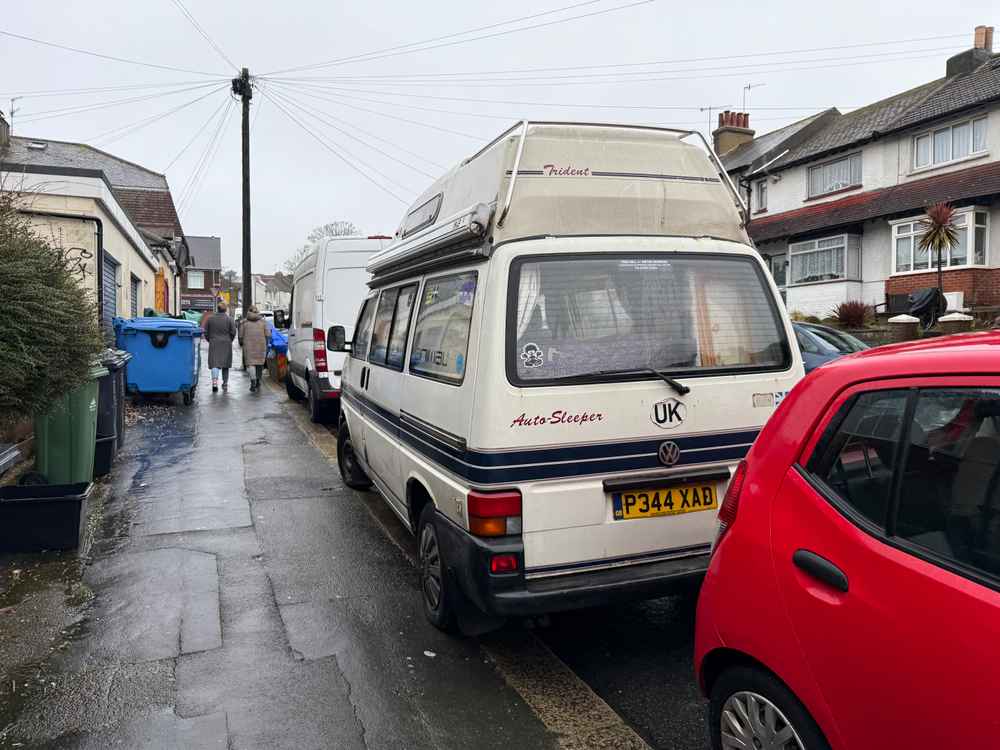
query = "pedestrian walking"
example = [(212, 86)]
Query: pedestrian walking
[(254, 335), (220, 332)]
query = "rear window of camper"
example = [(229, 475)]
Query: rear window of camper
[(441, 336), (598, 317)]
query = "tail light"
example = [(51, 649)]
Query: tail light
[(319, 349), (494, 513), (731, 502), (500, 564)]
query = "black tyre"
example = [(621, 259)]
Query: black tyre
[(318, 413), (350, 470), (186, 396), (755, 708), (439, 593), (292, 390)]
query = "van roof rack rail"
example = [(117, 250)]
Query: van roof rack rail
[(451, 239)]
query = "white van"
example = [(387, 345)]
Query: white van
[(328, 286), (563, 356)]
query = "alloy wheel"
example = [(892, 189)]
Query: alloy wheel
[(430, 567), (751, 722)]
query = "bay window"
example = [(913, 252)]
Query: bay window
[(826, 259), (950, 143), (969, 249), (835, 175)]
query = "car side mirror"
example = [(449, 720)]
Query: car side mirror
[(279, 319), (336, 339)]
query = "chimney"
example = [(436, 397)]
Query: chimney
[(734, 130), (4, 133), (981, 52)]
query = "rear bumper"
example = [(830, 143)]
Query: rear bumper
[(511, 595)]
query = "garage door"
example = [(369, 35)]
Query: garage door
[(110, 289)]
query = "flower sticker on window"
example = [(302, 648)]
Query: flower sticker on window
[(531, 355)]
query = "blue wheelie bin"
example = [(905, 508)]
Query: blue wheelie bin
[(166, 357)]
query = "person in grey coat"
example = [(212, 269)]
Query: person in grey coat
[(220, 330), (253, 331)]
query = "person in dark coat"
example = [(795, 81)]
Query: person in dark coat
[(253, 331), (220, 330)]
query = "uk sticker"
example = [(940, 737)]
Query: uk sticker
[(531, 355), (763, 400)]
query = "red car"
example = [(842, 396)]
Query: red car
[(853, 597)]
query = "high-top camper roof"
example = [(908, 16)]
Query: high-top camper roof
[(567, 179)]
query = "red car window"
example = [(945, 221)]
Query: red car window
[(857, 457), (949, 498)]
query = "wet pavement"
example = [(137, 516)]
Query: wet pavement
[(234, 594)]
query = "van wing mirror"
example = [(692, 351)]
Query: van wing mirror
[(279, 319), (336, 339)]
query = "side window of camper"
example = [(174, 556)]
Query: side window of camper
[(363, 330), (401, 326), (441, 337), (383, 325)]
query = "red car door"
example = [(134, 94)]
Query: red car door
[(887, 551)]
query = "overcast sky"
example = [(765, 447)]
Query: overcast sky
[(705, 55)]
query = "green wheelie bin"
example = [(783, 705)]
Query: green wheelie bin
[(65, 437)]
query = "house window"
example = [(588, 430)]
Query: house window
[(970, 249), (196, 279), (949, 144), (760, 196), (835, 175), (826, 259)]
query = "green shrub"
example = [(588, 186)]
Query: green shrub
[(50, 332)]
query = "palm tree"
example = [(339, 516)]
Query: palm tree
[(939, 234)]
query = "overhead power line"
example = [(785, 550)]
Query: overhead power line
[(438, 97), (198, 27), (39, 93), (333, 150), (107, 57), (356, 158), (506, 117), (198, 132), (289, 99), (407, 49), (207, 156), (389, 116), (121, 131), (619, 77), (713, 58), (64, 111)]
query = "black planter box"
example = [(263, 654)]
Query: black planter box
[(41, 517)]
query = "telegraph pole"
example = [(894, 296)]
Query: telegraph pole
[(243, 89)]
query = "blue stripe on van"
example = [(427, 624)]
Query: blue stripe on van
[(509, 467)]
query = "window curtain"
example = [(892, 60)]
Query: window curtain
[(527, 295)]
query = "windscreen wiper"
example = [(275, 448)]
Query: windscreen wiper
[(682, 390)]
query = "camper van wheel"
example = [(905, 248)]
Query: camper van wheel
[(436, 586), (187, 398), (350, 471), (293, 392)]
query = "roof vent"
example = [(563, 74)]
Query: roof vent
[(37, 145)]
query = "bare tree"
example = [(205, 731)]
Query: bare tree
[(316, 238)]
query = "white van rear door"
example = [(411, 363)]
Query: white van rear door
[(616, 465)]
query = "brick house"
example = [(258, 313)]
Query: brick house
[(203, 276), (835, 198)]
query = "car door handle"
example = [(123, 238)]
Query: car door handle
[(821, 569)]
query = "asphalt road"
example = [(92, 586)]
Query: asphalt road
[(637, 657)]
